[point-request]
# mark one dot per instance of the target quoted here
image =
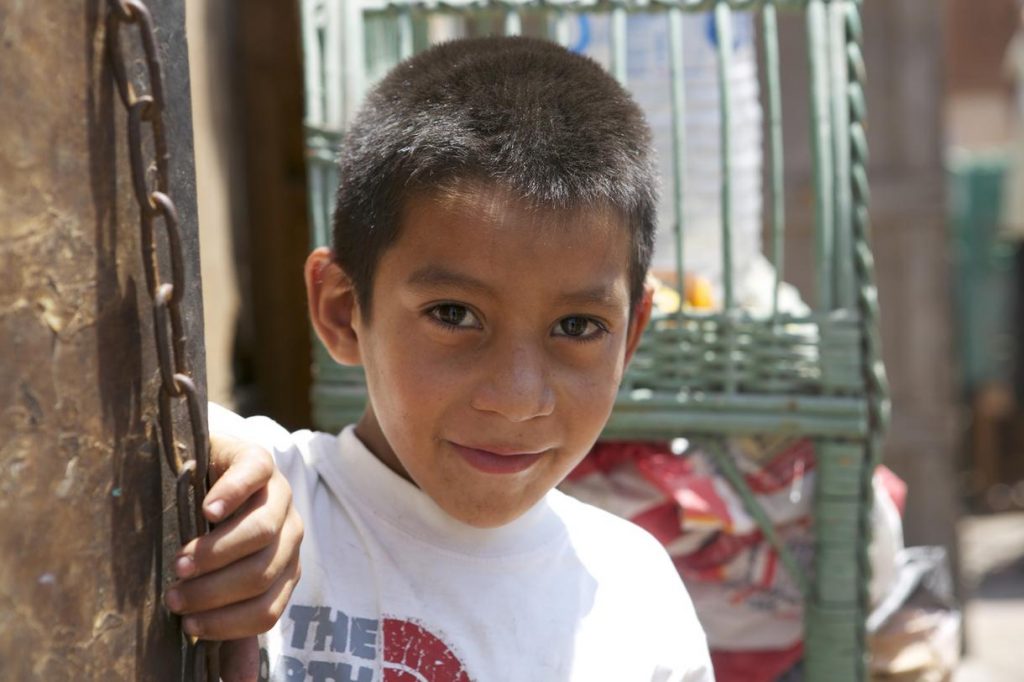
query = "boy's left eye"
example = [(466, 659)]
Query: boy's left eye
[(579, 327)]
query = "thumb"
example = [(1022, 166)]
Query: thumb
[(238, 470)]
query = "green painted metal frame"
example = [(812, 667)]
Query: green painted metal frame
[(714, 375)]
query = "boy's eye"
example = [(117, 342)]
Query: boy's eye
[(579, 327), (454, 315)]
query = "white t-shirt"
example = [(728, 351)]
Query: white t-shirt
[(395, 590)]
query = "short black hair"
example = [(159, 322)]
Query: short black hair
[(526, 115)]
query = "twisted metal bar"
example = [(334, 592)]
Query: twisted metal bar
[(877, 381), (875, 376)]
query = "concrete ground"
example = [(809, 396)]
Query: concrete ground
[(992, 558)]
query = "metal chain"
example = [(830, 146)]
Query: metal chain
[(155, 205)]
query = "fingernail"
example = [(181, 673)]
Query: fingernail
[(184, 567), (191, 627), (215, 510), (172, 598)]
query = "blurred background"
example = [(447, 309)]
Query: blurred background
[(946, 102)]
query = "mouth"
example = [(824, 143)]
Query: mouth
[(497, 460)]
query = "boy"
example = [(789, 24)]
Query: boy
[(493, 228)]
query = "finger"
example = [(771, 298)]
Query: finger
[(246, 468), (246, 618), (256, 525), (240, 660), (239, 582), (242, 580)]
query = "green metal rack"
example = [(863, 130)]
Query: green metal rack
[(708, 376)]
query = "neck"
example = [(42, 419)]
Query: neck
[(369, 432)]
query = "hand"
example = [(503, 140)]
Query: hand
[(235, 581)]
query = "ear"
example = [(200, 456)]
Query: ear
[(333, 307), (641, 316)]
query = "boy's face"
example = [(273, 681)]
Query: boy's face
[(495, 347)]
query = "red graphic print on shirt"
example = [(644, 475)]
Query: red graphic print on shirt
[(329, 645), (414, 654)]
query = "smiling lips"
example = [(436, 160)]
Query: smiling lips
[(491, 462)]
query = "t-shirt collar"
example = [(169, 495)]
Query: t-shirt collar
[(353, 472)]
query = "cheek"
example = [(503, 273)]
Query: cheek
[(600, 368), (589, 392), (415, 379)]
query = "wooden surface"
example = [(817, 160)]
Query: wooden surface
[(274, 343), (83, 543)]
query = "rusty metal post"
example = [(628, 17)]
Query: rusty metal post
[(84, 539)]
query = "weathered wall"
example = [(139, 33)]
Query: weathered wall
[(83, 543), (903, 50), (912, 252), (977, 36)]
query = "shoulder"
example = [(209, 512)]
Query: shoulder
[(620, 554), (587, 524), (262, 431), (638, 580), (293, 451)]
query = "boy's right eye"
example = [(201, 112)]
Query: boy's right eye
[(454, 315)]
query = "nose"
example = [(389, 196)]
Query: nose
[(516, 384)]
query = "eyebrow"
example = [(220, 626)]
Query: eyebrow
[(435, 277), (601, 295), (432, 276)]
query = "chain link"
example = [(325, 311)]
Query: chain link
[(155, 204)]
